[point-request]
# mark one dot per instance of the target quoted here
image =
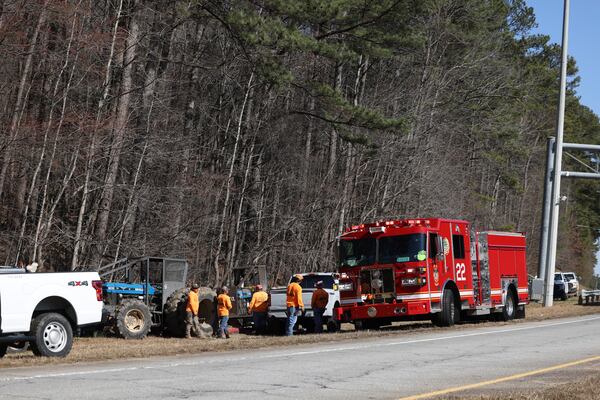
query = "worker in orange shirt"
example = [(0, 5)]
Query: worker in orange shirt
[(223, 307), (294, 303), (318, 303), (191, 313), (259, 305)]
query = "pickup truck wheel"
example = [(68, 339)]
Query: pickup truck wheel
[(333, 326), (53, 335), (133, 319), (3, 348), (276, 326), (564, 296)]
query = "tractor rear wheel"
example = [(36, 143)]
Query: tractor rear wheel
[(133, 319), (174, 311)]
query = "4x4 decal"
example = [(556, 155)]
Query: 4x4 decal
[(78, 283)]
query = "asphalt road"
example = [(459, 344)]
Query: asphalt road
[(379, 368)]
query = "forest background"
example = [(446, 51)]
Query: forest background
[(244, 133)]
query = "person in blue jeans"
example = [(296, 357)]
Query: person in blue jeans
[(294, 303), (318, 303), (223, 307)]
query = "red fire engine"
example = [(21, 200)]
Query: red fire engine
[(429, 268)]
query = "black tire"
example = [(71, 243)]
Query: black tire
[(333, 325), (3, 348), (359, 325), (450, 313), (53, 335), (510, 306), (309, 325), (133, 320), (174, 310), (367, 324), (276, 326), (520, 314), (564, 296)]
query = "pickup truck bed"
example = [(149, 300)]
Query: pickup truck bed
[(277, 310)]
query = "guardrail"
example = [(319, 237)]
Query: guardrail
[(589, 296)]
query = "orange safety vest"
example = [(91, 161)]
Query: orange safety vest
[(223, 305), (294, 296), (259, 302), (193, 304)]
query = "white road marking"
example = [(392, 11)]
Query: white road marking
[(254, 357)]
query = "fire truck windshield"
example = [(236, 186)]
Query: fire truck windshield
[(391, 249), (402, 248), (357, 252)]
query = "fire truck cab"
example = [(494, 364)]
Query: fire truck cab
[(429, 268)]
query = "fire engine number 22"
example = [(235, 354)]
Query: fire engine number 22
[(402, 270)]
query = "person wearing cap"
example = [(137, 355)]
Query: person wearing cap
[(294, 303), (259, 305), (318, 303), (223, 307), (191, 312)]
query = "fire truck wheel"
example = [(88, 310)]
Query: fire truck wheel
[(450, 313), (510, 307)]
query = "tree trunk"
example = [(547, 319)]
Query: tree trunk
[(78, 242), (21, 96), (229, 183), (119, 131)]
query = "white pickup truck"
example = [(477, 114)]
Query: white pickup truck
[(45, 308), (277, 309)]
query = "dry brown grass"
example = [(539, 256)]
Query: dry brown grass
[(97, 349), (579, 388)]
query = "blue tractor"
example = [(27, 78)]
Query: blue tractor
[(150, 293)]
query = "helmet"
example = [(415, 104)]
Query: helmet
[(195, 286), (299, 277)]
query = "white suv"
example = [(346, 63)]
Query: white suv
[(573, 283)]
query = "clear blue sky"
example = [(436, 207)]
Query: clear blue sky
[(584, 45), (584, 40)]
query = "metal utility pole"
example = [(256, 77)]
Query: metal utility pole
[(549, 290), (547, 206)]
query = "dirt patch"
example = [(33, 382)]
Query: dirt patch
[(98, 349)]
